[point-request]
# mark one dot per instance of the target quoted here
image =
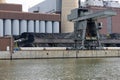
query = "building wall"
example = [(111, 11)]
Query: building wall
[(116, 21), (5, 42), (58, 6), (112, 4), (67, 6), (47, 6), (115, 25), (104, 20), (28, 16), (10, 7), (2, 1), (94, 2)]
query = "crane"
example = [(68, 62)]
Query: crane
[(86, 27)]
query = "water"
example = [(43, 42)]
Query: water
[(61, 69)]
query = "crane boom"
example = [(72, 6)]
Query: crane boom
[(86, 28)]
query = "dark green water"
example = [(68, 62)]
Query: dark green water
[(61, 69)]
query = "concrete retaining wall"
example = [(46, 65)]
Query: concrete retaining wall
[(60, 54), (4, 55)]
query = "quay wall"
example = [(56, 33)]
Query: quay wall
[(4, 55), (47, 54)]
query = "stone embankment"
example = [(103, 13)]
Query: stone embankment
[(41, 54)]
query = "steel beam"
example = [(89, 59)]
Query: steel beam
[(96, 15)]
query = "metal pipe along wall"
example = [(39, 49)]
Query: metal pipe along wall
[(1, 28)]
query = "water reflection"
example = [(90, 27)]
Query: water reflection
[(61, 69)]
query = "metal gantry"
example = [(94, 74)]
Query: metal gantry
[(86, 27)]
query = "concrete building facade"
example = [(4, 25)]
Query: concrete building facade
[(67, 6)]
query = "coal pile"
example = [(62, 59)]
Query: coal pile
[(103, 37), (48, 35), (115, 36), (28, 39)]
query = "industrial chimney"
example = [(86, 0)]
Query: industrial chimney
[(2, 1), (67, 6)]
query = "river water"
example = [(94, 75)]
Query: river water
[(61, 69)]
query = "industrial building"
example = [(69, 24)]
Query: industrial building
[(103, 3), (14, 22), (110, 24), (114, 4), (50, 19), (94, 3), (53, 6)]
